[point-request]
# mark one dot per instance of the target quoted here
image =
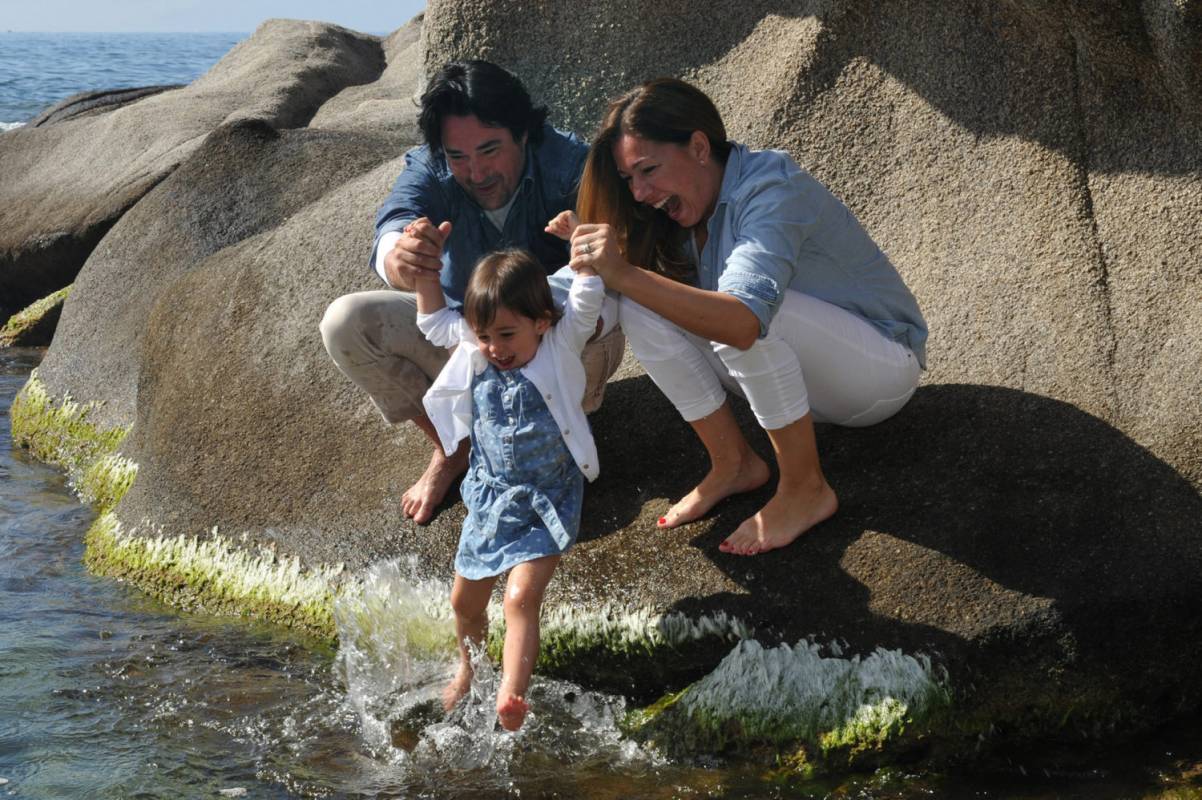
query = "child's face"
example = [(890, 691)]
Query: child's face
[(512, 339)]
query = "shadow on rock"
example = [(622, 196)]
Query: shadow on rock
[(1046, 560)]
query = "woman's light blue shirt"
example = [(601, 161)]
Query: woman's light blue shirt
[(775, 228)]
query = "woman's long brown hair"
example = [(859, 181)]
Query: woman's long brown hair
[(662, 110)]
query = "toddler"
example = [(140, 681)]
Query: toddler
[(514, 385)]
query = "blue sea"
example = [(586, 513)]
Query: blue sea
[(38, 70)]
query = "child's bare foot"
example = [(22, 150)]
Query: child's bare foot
[(420, 499), (458, 686), (750, 473), (511, 710), (788, 515)]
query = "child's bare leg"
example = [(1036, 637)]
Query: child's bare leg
[(469, 600), (523, 600)]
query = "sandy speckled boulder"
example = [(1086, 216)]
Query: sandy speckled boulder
[(66, 183)]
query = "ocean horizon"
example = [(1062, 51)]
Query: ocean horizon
[(40, 69)]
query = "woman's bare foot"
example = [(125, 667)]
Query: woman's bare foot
[(511, 710), (420, 499), (786, 516), (750, 473), (458, 686)]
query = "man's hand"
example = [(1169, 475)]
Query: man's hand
[(417, 255)]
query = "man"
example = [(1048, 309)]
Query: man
[(490, 176)]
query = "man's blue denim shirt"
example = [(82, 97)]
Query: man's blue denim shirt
[(548, 186)]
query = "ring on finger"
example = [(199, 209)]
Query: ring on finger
[(586, 248)]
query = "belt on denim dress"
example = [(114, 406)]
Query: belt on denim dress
[(541, 504)]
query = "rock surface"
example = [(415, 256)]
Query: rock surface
[(65, 184), (1030, 520)]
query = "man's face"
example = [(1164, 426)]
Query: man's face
[(486, 161)]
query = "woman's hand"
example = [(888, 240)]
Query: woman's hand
[(596, 247)]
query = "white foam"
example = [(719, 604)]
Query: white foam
[(797, 691), (8, 126)]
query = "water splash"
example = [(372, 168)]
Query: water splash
[(395, 634), (397, 651)]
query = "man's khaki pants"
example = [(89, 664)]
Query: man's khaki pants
[(374, 339)]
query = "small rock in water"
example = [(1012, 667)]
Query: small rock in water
[(3, 781), (405, 739), (405, 731), (237, 791)]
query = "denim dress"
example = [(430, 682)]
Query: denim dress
[(523, 490)]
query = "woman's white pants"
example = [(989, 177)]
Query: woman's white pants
[(816, 357)]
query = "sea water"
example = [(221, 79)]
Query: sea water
[(105, 693), (38, 70)]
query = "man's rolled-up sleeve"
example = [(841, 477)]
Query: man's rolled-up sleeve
[(415, 194)]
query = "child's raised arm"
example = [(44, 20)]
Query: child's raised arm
[(429, 290), (564, 226)]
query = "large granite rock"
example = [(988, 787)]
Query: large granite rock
[(1030, 520), (66, 182), (244, 179), (1034, 170), (391, 101)]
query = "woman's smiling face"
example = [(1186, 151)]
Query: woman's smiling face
[(678, 179)]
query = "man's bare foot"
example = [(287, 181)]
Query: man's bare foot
[(788, 515), (511, 710), (751, 473), (458, 686), (420, 499)]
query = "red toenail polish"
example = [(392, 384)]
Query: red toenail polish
[(662, 520)]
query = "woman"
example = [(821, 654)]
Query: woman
[(738, 269)]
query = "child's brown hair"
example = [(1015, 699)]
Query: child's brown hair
[(510, 279)]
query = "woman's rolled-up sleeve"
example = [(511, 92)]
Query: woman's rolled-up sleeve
[(770, 223)]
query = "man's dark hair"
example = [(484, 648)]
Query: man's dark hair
[(493, 94)]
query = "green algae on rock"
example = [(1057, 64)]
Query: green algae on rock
[(635, 652), (60, 433), (216, 575), (34, 325), (390, 614), (792, 698)]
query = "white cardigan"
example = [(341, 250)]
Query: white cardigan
[(555, 371)]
